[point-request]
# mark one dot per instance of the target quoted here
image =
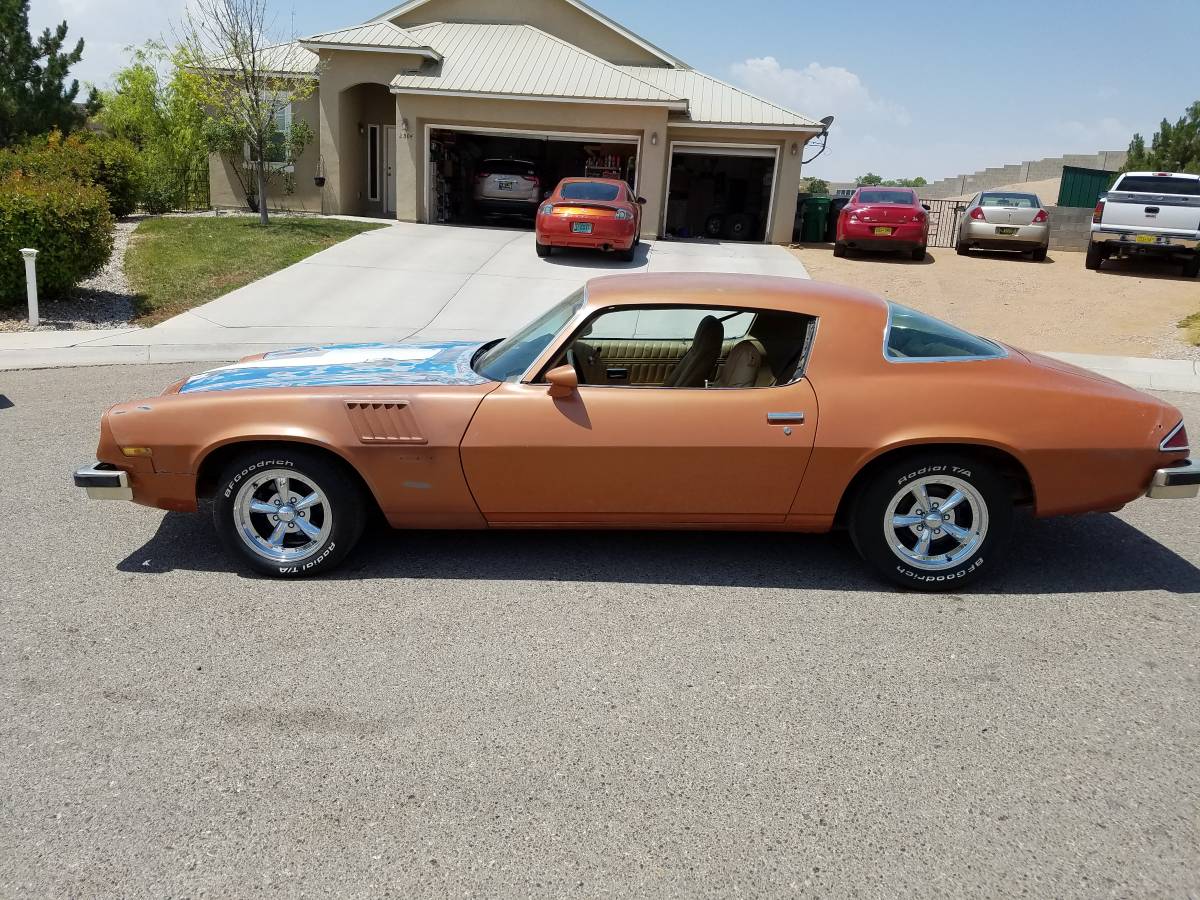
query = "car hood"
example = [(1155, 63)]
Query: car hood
[(346, 364)]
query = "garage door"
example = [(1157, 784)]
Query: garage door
[(718, 191), (499, 176)]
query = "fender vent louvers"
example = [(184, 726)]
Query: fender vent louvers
[(384, 422)]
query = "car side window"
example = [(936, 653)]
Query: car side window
[(687, 347)]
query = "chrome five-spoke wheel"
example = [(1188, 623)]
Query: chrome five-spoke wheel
[(282, 515), (935, 523)]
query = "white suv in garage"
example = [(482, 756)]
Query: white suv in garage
[(507, 186), (1149, 213)]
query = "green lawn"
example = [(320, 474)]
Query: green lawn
[(175, 264)]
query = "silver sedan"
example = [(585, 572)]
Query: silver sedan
[(1005, 220)]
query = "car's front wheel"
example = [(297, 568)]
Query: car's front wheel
[(933, 522), (288, 511)]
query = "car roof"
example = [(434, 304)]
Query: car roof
[(728, 290)]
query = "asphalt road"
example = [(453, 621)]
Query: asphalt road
[(579, 715)]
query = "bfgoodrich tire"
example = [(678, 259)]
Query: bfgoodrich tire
[(288, 512), (934, 521)]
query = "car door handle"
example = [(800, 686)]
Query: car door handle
[(617, 374), (785, 418), (1151, 210)]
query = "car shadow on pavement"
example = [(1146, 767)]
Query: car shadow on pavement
[(1088, 554), (1155, 269), (581, 258), (1010, 255)]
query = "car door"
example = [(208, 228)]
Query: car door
[(627, 455)]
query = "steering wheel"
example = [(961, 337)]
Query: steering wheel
[(574, 363)]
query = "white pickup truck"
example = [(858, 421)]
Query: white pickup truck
[(1149, 213)]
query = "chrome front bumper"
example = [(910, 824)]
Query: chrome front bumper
[(103, 482), (1176, 482)]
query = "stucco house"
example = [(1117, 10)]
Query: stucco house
[(413, 104)]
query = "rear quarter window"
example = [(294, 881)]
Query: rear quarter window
[(914, 336)]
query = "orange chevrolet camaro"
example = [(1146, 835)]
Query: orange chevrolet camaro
[(654, 401)]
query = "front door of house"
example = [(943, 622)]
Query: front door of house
[(389, 168)]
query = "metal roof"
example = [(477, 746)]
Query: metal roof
[(410, 5), (713, 101), (523, 61), (281, 59), (371, 36)]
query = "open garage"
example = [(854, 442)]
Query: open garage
[(499, 177), (720, 192)]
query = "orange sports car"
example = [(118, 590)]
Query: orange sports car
[(595, 213), (654, 401)]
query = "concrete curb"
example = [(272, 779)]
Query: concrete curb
[(1145, 374)]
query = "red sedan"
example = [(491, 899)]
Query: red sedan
[(596, 213), (880, 218)]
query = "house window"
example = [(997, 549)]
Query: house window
[(277, 140), (372, 162)]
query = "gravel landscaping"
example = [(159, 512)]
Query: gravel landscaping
[(103, 301)]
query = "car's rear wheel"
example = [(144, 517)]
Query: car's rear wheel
[(543, 250), (627, 255), (839, 249), (1094, 257), (918, 253), (289, 511), (1038, 255), (934, 521), (961, 248), (1191, 268)]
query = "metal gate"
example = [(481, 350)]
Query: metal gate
[(944, 216)]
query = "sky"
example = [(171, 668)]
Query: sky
[(923, 88)]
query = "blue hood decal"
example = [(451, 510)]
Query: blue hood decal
[(347, 364)]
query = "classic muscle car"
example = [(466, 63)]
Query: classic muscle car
[(654, 401)]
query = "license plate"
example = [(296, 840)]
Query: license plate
[(1006, 231), (1144, 238), (505, 185), (883, 232), (581, 227)]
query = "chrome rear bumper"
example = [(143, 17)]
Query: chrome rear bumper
[(1176, 482), (103, 482)]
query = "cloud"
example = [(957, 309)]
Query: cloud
[(1107, 133), (107, 28), (817, 90)]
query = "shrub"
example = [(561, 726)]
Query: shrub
[(111, 163), (68, 223)]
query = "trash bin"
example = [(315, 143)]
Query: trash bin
[(812, 226)]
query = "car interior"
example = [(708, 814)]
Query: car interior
[(684, 347)]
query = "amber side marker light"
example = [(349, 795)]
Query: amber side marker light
[(137, 451)]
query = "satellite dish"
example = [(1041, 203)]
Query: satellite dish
[(827, 122)]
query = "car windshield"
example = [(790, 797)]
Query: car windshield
[(589, 190), (916, 336), (506, 167), (904, 197), (1024, 201), (511, 357), (1159, 184)]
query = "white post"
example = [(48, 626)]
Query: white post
[(31, 285)]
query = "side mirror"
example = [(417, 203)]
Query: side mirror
[(563, 381), (546, 195), (641, 201), (926, 207)]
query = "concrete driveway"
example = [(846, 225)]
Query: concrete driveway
[(427, 281)]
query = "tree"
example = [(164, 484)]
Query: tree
[(156, 106), (34, 95), (905, 182), (1173, 148), (869, 179), (818, 186), (224, 46)]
